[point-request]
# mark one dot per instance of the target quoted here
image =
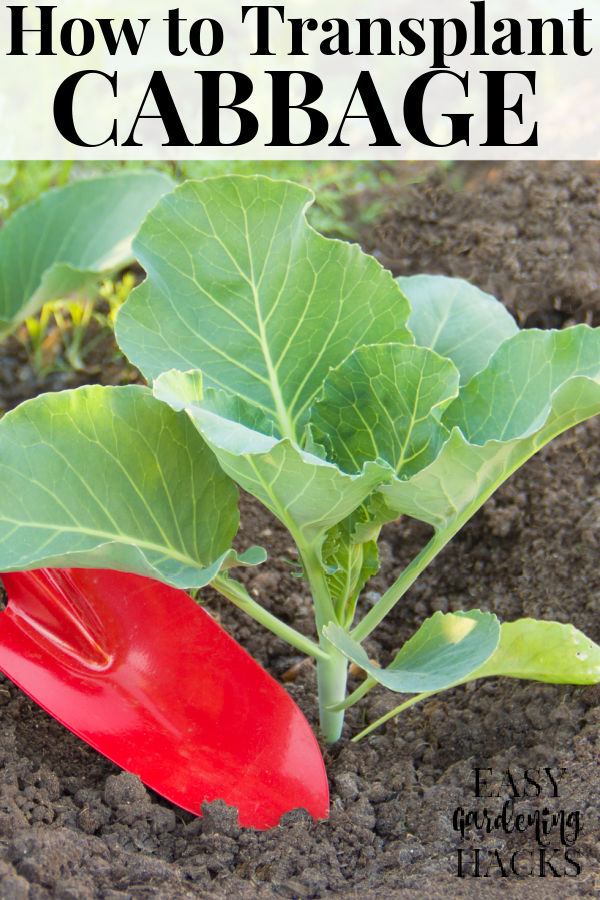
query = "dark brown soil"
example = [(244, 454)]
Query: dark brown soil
[(72, 826)]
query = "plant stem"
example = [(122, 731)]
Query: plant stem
[(332, 672), (437, 543), (390, 715), (324, 609), (356, 695), (331, 676), (238, 595), (402, 584)]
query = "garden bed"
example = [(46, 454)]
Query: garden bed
[(72, 826)]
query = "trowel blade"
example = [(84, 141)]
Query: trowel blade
[(144, 675)]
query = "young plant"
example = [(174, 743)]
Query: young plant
[(298, 368), (62, 328), (114, 294), (40, 340)]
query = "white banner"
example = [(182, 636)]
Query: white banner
[(337, 79)]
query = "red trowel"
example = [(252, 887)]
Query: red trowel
[(146, 677)]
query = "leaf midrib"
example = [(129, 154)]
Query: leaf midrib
[(287, 429), (281, 413), (118, 537)]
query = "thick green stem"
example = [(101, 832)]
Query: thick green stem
[(238, 594), (324, 609), (332, 674)]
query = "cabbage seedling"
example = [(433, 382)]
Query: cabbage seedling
[(297, 367)]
